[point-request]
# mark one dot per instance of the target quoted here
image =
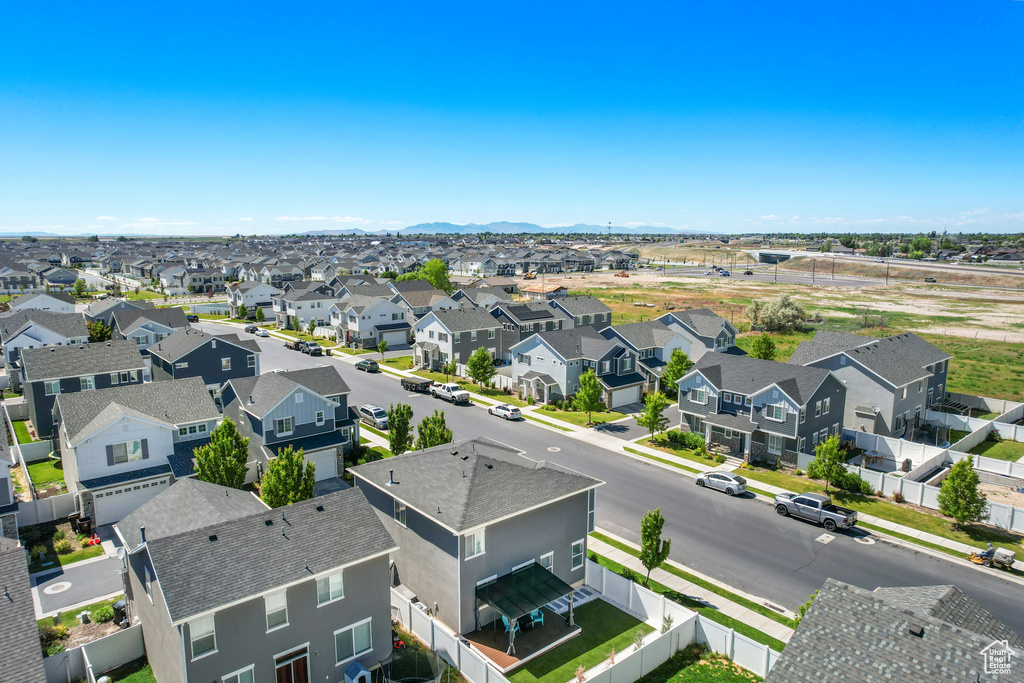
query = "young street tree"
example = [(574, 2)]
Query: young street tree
[(311, 327), (829, 461), (960, 497), (399, 428), (448, 369), (678, 365), (289, 478), (652, 415), (222, 461), (480, 366), (382, 348), (588, 396), (653, 550), (432, 431), (260, 315), (242, 311), (763, 348), (80, 288)]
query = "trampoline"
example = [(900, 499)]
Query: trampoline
[(413, 664)]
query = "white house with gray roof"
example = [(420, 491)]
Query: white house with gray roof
[(147, 327), (230, 591), (55, 302), (119, 446), (706, 330), (35, 329), (252, 295), (364, 321)]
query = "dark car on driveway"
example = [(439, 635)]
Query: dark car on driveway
[(367, 365), (192, 318)]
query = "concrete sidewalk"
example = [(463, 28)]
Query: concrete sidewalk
[(691, 590)]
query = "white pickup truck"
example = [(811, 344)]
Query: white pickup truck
[(449, 392), (814, 507)]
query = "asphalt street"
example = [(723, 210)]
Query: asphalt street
[(767, 274), (738, 540)]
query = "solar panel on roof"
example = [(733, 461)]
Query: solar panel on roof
[(526, 313)]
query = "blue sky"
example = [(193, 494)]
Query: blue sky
[(742, 116)]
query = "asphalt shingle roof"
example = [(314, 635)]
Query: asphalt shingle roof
[(21, 660), (29, 298), (185, 341), (68, 325), (467, 319), (582, 305), (268, 390), (703, 321), (579, 342), (746, 375), (645, 335), (127, 321), (122, 477), (484, 481), (172, 403), (899, 359), (53, 362), (199, 568)]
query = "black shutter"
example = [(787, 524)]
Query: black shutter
[(110, 456), (145, 449)]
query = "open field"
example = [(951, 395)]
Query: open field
[(951, 273)]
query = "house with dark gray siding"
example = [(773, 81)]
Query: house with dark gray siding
[(213, 358), (584, 311), (49, 372), (230, 591), (523, 320), (453, 335), (760, 410), (470, 513), (105, 310)]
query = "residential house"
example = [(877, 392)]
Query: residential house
[(549, 364), (227, 590), (452, 335), (892, 381), (206, 280), (522, 321), (60, 279), (585, 311), (105, 310), (55, 302), (419, 302), (22, 660), (706, 331), (252, 295), (17, 281), (760, 410), (364, 321), (147, 327), (8, 502), (58, 370), (295, 308), (213, 358), (926, 634), (481, 297), (653, 341), (117, 445), (305, 409), (35, 329), (540, 290), (469, 513)]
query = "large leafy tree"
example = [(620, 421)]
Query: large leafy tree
[(98, 331), (435, 271), (80, 288), (960, 497), (399, 428), (652, 417), (653, 550), (433, 431), (588, 397), (222, 461), (829, 462), (289, 479), (480, 366), (678, 365), (763, 348)]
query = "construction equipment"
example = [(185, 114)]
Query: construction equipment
[(529, 276), (622, 273)]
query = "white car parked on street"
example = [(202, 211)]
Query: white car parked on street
[(732, 484)]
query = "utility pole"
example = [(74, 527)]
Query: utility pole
[(776, 272), (814, 264), (833, 269), (887, 273)]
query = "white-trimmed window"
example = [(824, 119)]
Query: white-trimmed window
[(182, 431), (548, 561), (126, 377), (726, 397), (627, 363), (113, 378), (826, 405), (127, 452), (776, 412), (817, 409), (88, 383), (251, 361), (299, 397), (803, 415), (329, 589), (699, 396), (225, 364), (277, 610), (801, 444), (747, 402), (319, 417), (577, 554), (52, 388), (400, 512), (591, 510), (774, 444), (283, 426), (606, 366), (241, 676), (204, 636), (180, 366), (475, 544), (353, 641)]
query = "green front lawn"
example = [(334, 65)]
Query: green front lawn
[(687, 453), (785, 344), (70, 617), (603, 628), (143, 294), (398, 362), (1001, 450), (580, 418), (695, 664), (21, 432)]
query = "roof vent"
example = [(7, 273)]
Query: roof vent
[(268, 522), (391, 477), (916, 630), (454, 451), (319, 508), (489, 466), (250, 399), (142, 533), (213, 537)]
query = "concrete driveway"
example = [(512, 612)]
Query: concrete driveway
[(76, 585)]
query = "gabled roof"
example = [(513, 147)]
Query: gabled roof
[(184, 342), (259, 395), (67, 325), (466, 319), (170, 403), (418, 298), (529, 312), (851, 634), (644, 335), (129, 321), (746, 375), (579, 342), (406, 286), (703, 321), (368, 290), (360, 303), (29, 298), (899, 359), (581, 305), (98, 308), (22, 660), (199, 568), (77, 360), (482, 482)]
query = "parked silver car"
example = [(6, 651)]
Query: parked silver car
[(375, 416), (732, 484)]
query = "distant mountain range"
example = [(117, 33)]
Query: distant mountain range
[(506, 228)]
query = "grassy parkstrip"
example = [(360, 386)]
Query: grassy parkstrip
[(661, 460), (528, 416)]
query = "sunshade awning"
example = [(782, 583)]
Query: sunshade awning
[(523, 591)]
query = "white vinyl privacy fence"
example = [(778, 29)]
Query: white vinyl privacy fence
[(687, 628)]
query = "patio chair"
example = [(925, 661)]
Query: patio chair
[(536, 617), (513, 626)]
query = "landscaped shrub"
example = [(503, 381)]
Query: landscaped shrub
[(37, 550), (799, 472), (880, 493), (103, 614), (58, 535), (814, 470), (897, 497), (691, 440), (63, 546), (719, 458), (629, 574), (855, 484), (51, 638), (529, 400)]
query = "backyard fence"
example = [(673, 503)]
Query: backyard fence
[(213, 308), (990, 405), (92, 660), (1010, 432), (42, 510)]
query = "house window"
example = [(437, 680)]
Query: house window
[(431, 334), (591, 510), (52, 388), (775, 412), (903, 393), (201, 428), (726, 397), (283, 426), (140, 341), (606, 366), (319, 417), (352, 641), (475, 544), (88, 383), (803, 415), (113, 378), (277, 610), (817, 409), (182, 431), (826, 405), (842, 360), (204, 637), (490, 334), (472, 336), (225, 363), (299, 397), (627, 364), (577, 554), (329, 589), (747, 402), (181, 366), (835, 429), (400, 512), (243, 676), (801, 444), (699, 396), (127, 452), (251, 361), (548, 561), (458, 337), (126, 377), (774, 444)]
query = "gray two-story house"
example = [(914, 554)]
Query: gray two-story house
[(305, 409), (892, 381), (470, 513), (49, 372), (214, 358), (230, 591), (760, 410), (452, 335), (521, 321), (653, 341), (585, 311), (147, 327)]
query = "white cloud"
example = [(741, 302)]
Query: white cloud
[(245, 219), (104, 218), (147, 219), (392, 222), (333, 219), (770, 217)]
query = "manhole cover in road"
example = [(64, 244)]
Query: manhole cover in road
[(58, 587), (825, 538), (554, 449)]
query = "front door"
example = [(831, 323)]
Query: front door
[(293, 667)]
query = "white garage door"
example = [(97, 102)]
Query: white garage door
[(326, 463), (117, 502), (626, 396), (399, 338)]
